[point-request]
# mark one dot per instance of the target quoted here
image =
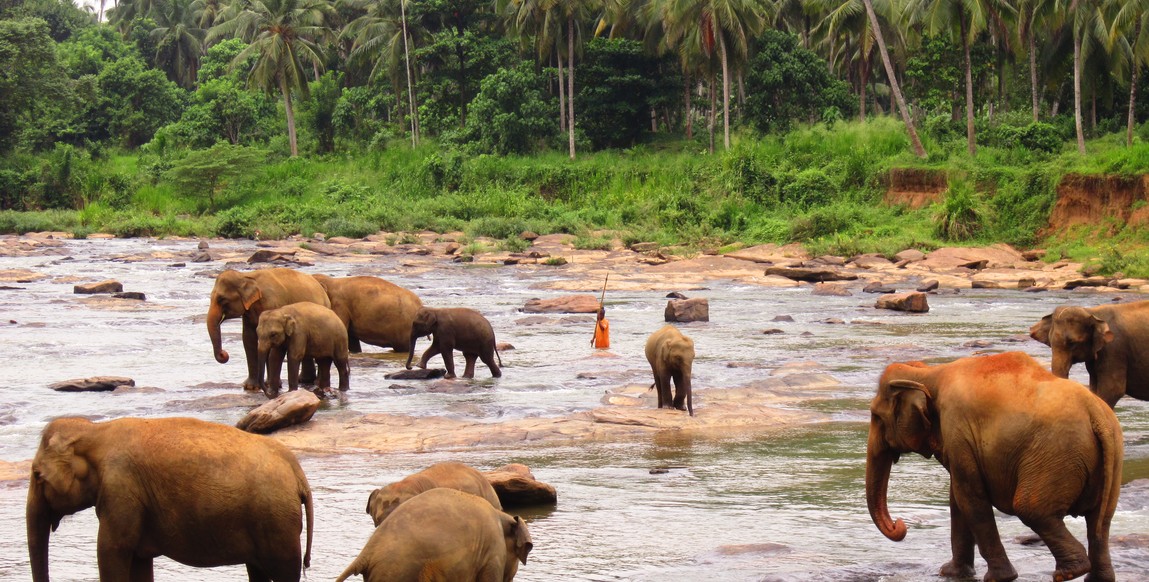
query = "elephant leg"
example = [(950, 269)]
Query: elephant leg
[(679, 391), (488, 358), (293, 372), (961, 544), (1102, 565), (344, 369), (449, 361), (658, 388), (323, 380), (428, 354), (973, 502), (274, 370), (254, 574), (251, 351), (307, 375), (665, 397), (1072, 561), (142, 570), (353, 344), (116, 541), (469, 358)]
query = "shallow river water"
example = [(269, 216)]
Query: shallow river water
[(788, 505)]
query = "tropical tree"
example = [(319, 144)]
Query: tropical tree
[(382, 35), (915, 142), (1032, 16), (1128, 27), (1088, 25), (283, 34), (179, 41)]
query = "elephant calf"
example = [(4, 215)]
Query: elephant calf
[(301, 330), (455, 328), (1013, 437), (444, 534), (671, 355), (450, 475)]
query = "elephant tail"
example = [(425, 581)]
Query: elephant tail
[(353, 570), (1108, 433), (500, 358), (309, 508)]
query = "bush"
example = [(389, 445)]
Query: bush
[(510, 115), (961, 215), (809, 188)]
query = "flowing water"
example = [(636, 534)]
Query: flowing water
[(785, 506)]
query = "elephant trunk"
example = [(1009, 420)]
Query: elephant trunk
[(215, 316), (40, 524), (411, 349), (879, 461), (1061, 364)]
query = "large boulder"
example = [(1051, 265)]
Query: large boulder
[(517, 487), (109, 286), (93, 384), (294, 407), (687, 310), (567, 304), (810, 275), (911, 302)]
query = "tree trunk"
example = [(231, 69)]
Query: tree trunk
[(1033, 73), (970, 137), (461, 52), (725, 91), (712, 118), (570, 87), (410, 84), (687, 111), (864, 74), (562, 96), (1134, 74), (1077, 90), (653, 121), (290, 118), (915, 143)]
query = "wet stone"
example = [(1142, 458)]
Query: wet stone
[(911, 302), (516, 486), (134, 295), (1026, 283), (675, 295), (980, 284), (294, 407), (830, 290), (927, 286), (772, 331), (810, 275), (878, 287), (109, 286), (93, 384), (687, 310), (910, 255), (783, 318), (417, 374), (975, 265), (567, 304)]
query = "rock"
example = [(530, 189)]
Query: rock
[(928, 286), (452, 248), (810, 275), (566, 304), (977, 344), (1087, 282), (93, 384), (176, 265), (832, 321), (1130, 283), (504, 347), (417, 374), (687, 310), (783, 318), (1026, 282), (109, 286), (528, 235), (878, 287), (203, 246), (975, 265), (202, 257), (772, 331), (828, 260), (1091, 269), (517, 487), (982, 284), (830, 290), (870, 262), (911, 302), (294, 407), (644, 247), (910, 255), (464, 259), (1033, 255), (136, 295), (270, 256), (509, 261), (675, 295), (902, 264), (555, 261)]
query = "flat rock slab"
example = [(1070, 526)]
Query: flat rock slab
[(567, 304), (517, 487), (831, 290), (687, 310), (294, 407), (911, 302), (1088, 282), (109, 286), (810, 275), (417, 374), (93, 384)]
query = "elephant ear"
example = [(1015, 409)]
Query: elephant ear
[(289, 325), (1102, 335), (521, 539), (1040, 330), (249, 292), (915, 416)]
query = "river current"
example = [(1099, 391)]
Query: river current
[(788, 505)]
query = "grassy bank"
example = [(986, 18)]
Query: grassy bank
[(817, 186)]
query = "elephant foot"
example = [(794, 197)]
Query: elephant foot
[(271, 391), (1071, 569), (1000, 573), (952, 569), (1103, 575), (252, 385)]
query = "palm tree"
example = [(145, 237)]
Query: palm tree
[(1031, 15), (1088, 24), (179, 41), (382, 36), (915, 142), (282, 34), (531, 21), (1129, 25)]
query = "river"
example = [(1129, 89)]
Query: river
[(788, 505)]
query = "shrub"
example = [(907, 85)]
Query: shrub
[(809, 188), (960, 217)]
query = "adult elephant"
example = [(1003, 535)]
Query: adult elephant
[(450, 475), (1013, 437), (671, 357), (247, 296), (455, 328), (200, 493), (444, 534), (375, 311), (1109, 339)]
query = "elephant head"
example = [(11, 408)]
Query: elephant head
[(63, 482), (518, 544), (425, 323), (1075, 334), (903, 419), (233, 294)]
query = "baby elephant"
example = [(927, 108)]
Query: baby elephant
[(444, 534), (450, 475), (671, 356), (301, 330), (455, 328)]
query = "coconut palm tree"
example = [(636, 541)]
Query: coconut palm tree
[(283, 35), (179, 41), (1033, 16), (1129, 27), (1088, 25), (895, 88), (383, 35)]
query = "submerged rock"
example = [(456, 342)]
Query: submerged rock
[(878, 287), (294, 407), (811, 275), (517, 487), (687, 310), (135, 295), (93, 384), (911, 302), (567, 304), (417, 374), (109, 286), (831, 290)]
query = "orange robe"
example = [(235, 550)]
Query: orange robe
[(602, 334)]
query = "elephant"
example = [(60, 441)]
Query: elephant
[(375, 311), (200, 493), (248, 295), (443, 535), (1012, 436), (1109, 339), (450, 475), (671, 356), (455, 327), (301, 330)]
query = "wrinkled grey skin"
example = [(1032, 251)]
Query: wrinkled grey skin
[(455, 328), (299, 331)]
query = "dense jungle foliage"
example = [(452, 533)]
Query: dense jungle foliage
[(707, 124)]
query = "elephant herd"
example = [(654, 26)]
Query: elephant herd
[(1013, 436)]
